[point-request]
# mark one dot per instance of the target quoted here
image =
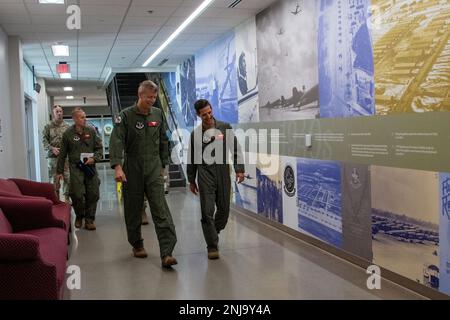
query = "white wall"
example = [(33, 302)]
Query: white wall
[(6, 150), (19, 165), (42, 119)]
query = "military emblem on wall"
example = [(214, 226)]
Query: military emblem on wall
[(289, 181)]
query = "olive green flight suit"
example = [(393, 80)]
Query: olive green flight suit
[(214, 182), (139, 144), (83, 191)]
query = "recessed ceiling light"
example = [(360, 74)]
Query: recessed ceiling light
[(65, 76), (60, 50), (51, 1), (69, 97), (202, 7), (68, 89)]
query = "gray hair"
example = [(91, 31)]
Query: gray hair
[(147, 85)]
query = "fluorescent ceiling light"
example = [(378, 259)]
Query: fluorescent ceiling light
[(60, 50), (186, 22), (69, 97), (68, 89), (51, 1), (65, 76)]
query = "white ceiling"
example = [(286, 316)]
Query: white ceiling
[(117, 34)]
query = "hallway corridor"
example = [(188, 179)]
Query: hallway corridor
[(256, 260)]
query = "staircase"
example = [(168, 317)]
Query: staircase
[(127, 86), (176, 176), (123, 92)]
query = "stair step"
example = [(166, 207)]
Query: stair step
[(175, 175)]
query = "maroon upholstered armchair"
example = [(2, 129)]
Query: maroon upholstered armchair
[(33, 250), (20, 188)]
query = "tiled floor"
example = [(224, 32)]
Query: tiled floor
[(256, 261)]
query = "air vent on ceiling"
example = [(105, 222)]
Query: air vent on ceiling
[(162, 62), (234, 3)]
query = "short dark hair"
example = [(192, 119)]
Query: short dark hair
[(200, 104)]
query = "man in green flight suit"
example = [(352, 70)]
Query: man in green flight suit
[(208, 162), (138, 153), (84, 148)]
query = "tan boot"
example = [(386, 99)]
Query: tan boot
[(168, 261), (139, 252), (78, 223), (144, 218), (90, 225), (213, 254)]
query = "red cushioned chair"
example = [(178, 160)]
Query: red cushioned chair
[(33, 250), (25, 189)]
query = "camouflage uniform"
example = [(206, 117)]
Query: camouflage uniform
[(52, 137), (84, 191)]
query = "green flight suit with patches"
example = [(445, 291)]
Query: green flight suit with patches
[(214, 182), (139, 144), (84, 191)]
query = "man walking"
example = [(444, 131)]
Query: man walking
[(138, 154), (84, 148), (51, 139), (212, 172)]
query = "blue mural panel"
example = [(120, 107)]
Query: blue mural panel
[(216, 78), (270, 198), (346, 68), (319, 199), (444, 233)]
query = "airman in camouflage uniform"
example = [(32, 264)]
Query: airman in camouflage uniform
[(138, 153), (84, 190), (51, 139)]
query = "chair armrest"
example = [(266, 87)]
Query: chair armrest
[(15, 247), (27, 214), (37, 189)]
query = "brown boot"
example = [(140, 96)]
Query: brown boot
[(144, 218), (168, 261), (139, 252), (78, 223), (90, 225), (213, 254)]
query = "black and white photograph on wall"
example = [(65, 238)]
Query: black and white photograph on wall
[(269, 192), (245, 194), (186, 90), (247, 76), (286, 35), (405, 222), (356, 210)]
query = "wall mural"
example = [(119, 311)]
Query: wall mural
[(319, 200), (444, 232), (287, 61), (412, 55), (300, 60), (270, 198), (345, 59), (186, 91), (215, 77), (405, 222), (247, 75)]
